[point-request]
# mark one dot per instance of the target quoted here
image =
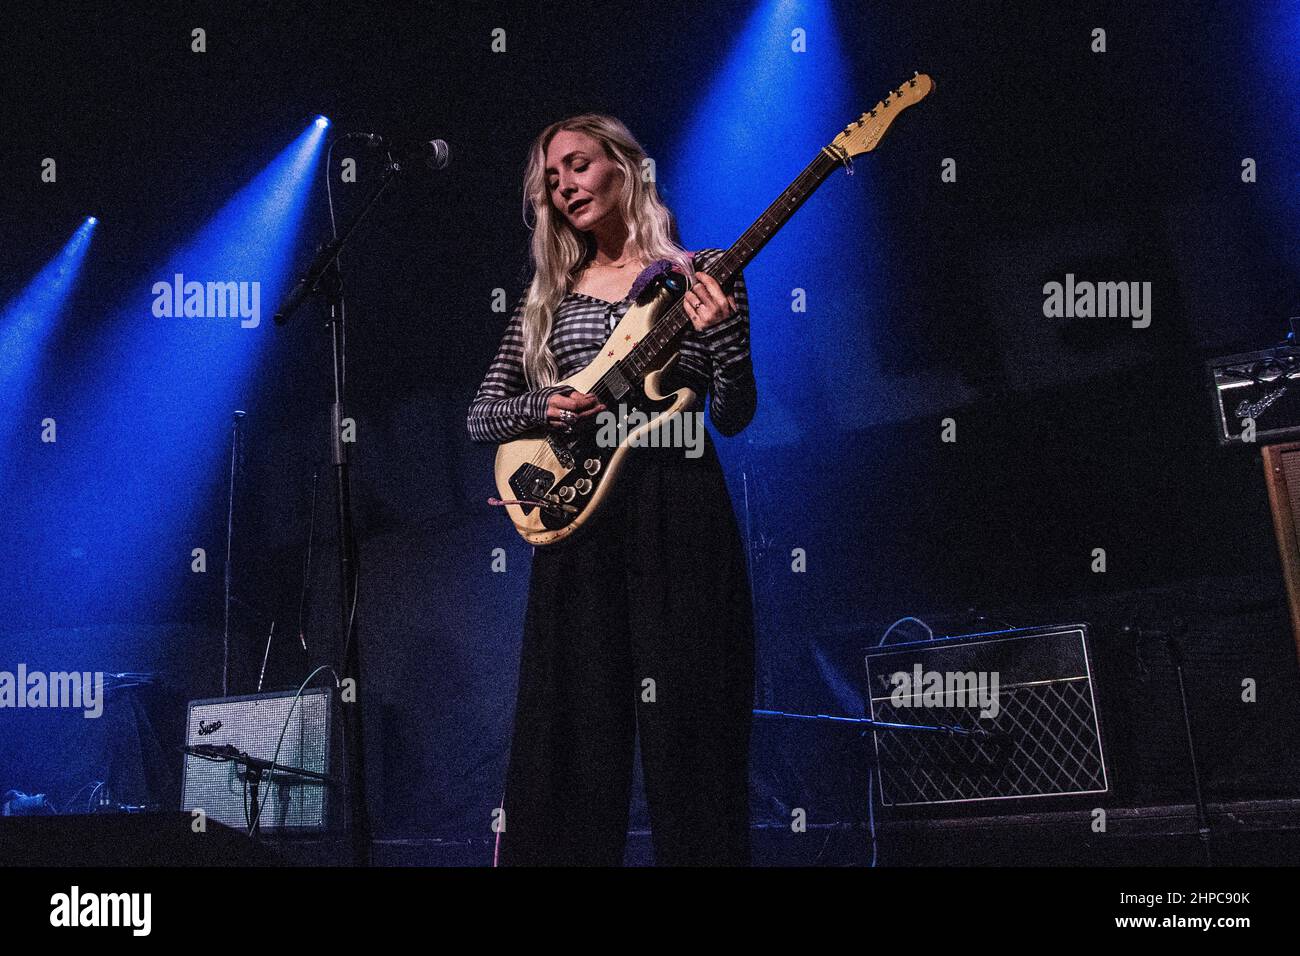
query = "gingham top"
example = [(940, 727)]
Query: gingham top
[(716, 362)]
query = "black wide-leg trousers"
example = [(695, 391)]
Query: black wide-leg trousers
[(640, 624)]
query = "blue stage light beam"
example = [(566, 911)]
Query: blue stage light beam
[(766, 114), (28, 322), (1277, 115), (1277, 63), (184, 355)]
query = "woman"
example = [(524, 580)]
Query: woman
[(640, 625)]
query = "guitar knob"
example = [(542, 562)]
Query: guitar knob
[(566, 493), (583, 485), (592, 465)]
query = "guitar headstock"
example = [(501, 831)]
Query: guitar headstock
[(862, 136)]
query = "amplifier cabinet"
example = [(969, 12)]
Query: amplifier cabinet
[(1005, 715), (252, 724)]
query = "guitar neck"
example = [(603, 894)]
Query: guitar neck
[(776, 215), (650, 352)]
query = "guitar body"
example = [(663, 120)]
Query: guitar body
[(574, 471), (551, 483)]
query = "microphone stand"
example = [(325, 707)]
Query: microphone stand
[(251, 774), (324, 278), (230, 533), (1175, 649), (1172, 636)]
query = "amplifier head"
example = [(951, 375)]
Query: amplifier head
[(1262, 388)]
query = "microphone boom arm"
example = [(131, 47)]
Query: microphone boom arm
[(327, 253)]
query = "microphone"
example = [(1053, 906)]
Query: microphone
[(435, 153)]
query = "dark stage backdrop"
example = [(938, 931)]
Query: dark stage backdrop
[(1072, 434)]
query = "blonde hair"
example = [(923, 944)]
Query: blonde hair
[(557, 249)]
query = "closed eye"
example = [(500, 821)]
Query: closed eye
[(577, 169)]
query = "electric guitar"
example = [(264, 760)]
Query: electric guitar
[(551, 482)]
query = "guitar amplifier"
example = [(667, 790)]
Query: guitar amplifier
[(1261, 387), (998, 716), (253, 724)]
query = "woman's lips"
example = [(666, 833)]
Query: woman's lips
[(580, 205)]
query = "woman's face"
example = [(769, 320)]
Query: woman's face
[(582, 182)]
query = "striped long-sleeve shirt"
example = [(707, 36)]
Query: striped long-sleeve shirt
[(715, 362)]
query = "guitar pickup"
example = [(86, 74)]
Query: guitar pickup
[(618, 385), (562, 452), (530, 483)]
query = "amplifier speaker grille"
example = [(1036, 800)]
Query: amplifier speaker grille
[(253, 724), (1043, 741)]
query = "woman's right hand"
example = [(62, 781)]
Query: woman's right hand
[(568, 412)]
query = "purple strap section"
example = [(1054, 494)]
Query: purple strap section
[(650, 273)]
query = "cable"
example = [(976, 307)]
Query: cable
[(306, 569), (329, 183), (270, 773), (352, 615), (496, 844), (871, 812), (917, 620), (71, 799), (343, 379), (338, 265)]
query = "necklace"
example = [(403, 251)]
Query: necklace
[(622, 264)]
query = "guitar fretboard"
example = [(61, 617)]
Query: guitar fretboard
[(651, 351)]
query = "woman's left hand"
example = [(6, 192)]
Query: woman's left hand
[(706, 305)]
